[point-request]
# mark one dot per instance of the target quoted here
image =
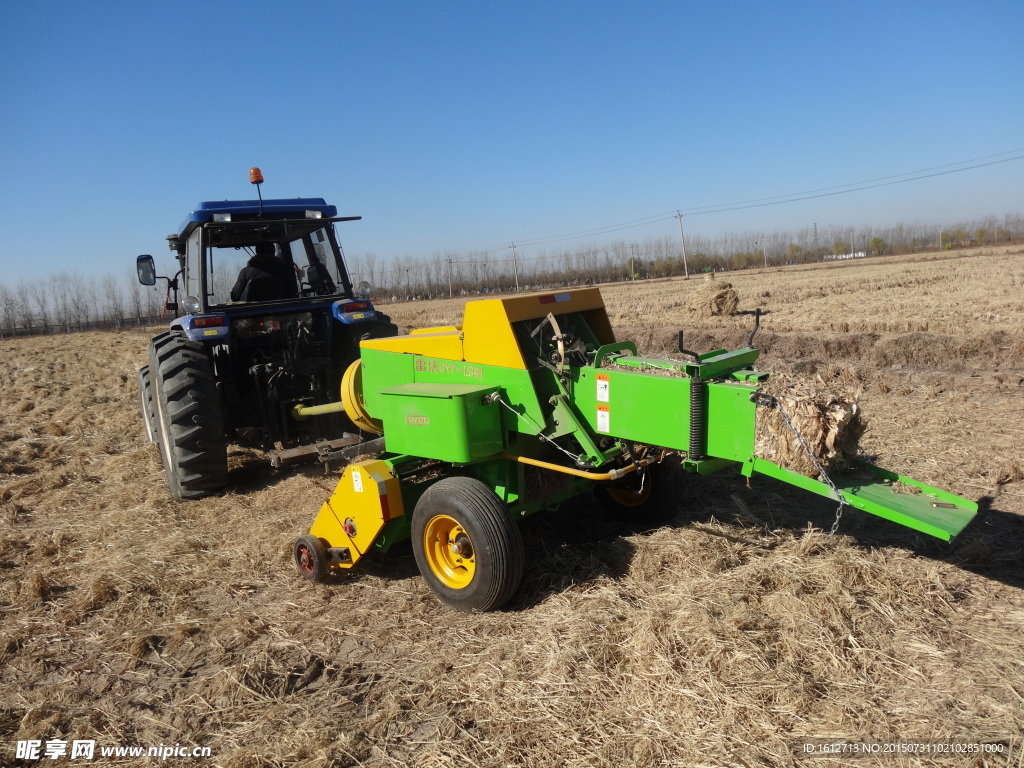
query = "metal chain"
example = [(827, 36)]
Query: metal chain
[(540, 430), (824, 475)]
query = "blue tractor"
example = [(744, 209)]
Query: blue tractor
[(268, 325)]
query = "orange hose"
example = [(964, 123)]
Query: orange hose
[(614, 474)]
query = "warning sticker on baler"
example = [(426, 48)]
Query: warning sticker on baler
[(603, 416), (357, 481), (602, 387)]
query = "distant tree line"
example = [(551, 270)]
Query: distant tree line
[(68, 302), (408, 277)]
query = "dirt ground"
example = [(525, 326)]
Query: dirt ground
[(728, 637)]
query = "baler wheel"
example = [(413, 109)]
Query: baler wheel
[(310, 558), (449, 551), (468, 549), (629, 497), (645, 500)]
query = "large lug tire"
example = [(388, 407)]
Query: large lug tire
[(146, 404), (189, 424), (468, 549), (380, 328), (647, 497)]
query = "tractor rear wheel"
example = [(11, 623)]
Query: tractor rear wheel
[(647, 497), (466, 546), (146, 403), (189, 424)]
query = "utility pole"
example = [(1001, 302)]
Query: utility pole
[(449, 260), (632, 250), (682, 245), (515, 265)]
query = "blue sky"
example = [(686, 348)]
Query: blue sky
[(455, 126)]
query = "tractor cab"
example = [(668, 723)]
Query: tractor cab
[(291, 244), (292, 241), (245, 258)]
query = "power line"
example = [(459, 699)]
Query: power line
[(840, 189), (738, 207), (867, 181)]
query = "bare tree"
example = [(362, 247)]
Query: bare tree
[(370, 260), (354, 265), (134, 295), (83, 301), (154, 302), (39, 296), (24, 306), (114, 301), (8, 311)]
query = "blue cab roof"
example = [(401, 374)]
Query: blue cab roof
[(274, 208)]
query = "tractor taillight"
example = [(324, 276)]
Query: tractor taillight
[(354, 306), (206, 322)]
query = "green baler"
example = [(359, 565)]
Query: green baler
[(532, 402)]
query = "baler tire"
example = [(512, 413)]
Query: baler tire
[(146, 403), (189, 423), (469, 511), (310, 558), (660, 499)]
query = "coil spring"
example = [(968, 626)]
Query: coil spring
[(698, 418)]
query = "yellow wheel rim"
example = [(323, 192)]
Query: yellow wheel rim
[(449, 552), (630, 497)]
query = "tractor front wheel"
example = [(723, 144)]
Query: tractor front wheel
[(646, 497), (189, 425), (466, 546)]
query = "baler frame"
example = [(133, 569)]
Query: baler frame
[(538, 383)]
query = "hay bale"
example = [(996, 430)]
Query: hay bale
[(830, 423), (713, 299)]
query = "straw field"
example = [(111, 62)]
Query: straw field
[(725, 638)]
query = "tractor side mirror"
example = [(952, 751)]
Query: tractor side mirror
[(146, 269)]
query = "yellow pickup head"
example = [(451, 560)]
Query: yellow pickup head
[(366, 497), (487, 337)]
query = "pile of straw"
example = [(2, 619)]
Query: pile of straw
[(830, 423), (713, 299)]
